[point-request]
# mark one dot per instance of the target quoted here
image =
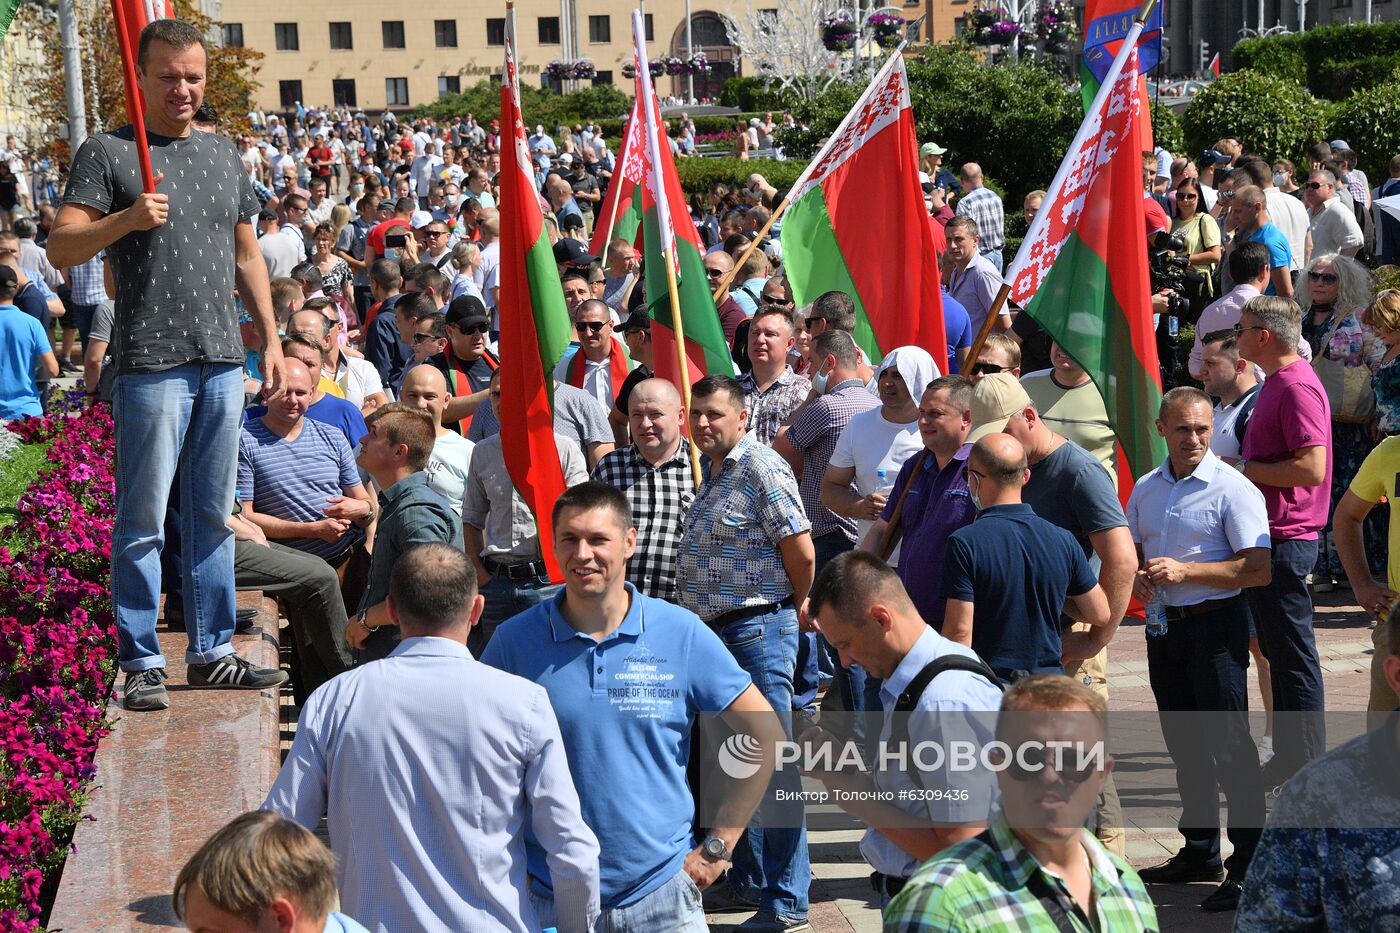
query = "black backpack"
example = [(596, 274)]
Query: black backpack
[(948, 662)]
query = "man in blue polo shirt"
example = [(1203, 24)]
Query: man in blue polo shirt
[(23, 345), (1252, 225), (1007, 575), (626, 675)]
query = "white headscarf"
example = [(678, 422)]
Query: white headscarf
[(915, 365)]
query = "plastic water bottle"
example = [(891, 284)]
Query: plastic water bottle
[(883, 486), (1157, 616)]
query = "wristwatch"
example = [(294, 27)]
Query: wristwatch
[(714, 849), (364, 614)]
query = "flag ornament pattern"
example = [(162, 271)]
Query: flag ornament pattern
[(857, 224)]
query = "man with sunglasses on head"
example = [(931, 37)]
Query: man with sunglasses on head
[(1035, 867), (1197, 563)]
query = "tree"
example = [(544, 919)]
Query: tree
[(1272, 116), (786, 46), (229, 85)]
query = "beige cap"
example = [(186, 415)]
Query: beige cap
[(995, 399)]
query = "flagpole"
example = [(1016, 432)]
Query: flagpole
[(133, 94), (1061, 174), (651, 127), (797, 186)]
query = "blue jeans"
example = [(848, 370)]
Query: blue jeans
[(504, 599), (186, 417), (674, 907), (771, 865), (1283, 618), (994, 257)]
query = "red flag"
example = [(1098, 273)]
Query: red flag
[(1214, 67), (620, 214), (534, 325), (132, 16)]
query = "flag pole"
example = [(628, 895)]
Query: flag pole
[(651, 127), (135, 104), (1061, 174), (724, 283)]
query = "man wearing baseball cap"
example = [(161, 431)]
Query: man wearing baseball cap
[(931, 162), (469, 360), (1071, 488)]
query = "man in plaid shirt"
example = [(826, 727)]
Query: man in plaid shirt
[(983, 205), (654, 474), (774, 391), (1036, 869)]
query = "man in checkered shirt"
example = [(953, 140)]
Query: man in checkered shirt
[(654, 474), (774, 391), (983, 205)]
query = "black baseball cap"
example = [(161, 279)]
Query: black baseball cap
[(466, 310), (571, 252), (637, 320), (8, 279)]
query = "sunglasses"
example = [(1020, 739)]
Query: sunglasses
[(1326, 278), (1186, 197), (1028, 764), (714, 273), (1240, 328), (434, 233), (987, 369), (775, 301), (1314, 185), (423, 338), (593, 327), (811, 322)]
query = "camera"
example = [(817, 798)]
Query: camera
[(1168, 271)]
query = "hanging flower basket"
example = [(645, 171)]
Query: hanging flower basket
[(1054, 23), (580, 70), (839, 32), (989, 25), (887, 27), (584, 70), (698, 64)]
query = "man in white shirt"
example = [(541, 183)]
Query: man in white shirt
[(425, 389), (1334, 226), (356, 376), (423, 174)]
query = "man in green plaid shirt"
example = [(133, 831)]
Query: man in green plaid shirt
[(1036, 869)]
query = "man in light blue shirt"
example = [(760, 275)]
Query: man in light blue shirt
[(1202, 534), (866, 615), (430, 766), (23, 347), (627, 675)]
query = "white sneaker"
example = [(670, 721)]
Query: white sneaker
[(1266, 749)]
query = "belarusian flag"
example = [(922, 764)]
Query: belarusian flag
[(663, 200), (620, 213), (1106, 23), (1082, 270), (857, 224), (1214, 67), (534, 324)]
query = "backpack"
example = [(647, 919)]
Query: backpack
[(909, 699)]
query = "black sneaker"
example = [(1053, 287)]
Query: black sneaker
[(768, 922), (234, 673), (1225, 897), (1181, 868), (145, 690)]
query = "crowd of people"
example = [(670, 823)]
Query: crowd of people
[(296, 333)]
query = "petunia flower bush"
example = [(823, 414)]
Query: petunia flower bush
[(58, 650)]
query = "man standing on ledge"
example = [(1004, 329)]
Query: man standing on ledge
[(176, 256)]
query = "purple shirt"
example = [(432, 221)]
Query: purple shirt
[(938, 504), (1292, 413)]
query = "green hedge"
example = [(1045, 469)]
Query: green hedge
[(754, 93), (698, 174), (1369, 121), (1272, 116), (538, 105), (1320, 58), (1338, 79), (1279, 56)]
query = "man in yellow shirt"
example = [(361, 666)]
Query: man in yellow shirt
[(1377, 477), (1070, 405)]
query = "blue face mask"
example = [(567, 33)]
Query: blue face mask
[(976, 499), (819, 381)]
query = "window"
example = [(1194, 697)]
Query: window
[(396, 92), (445, 33), (549, 30), (709, 30), (602, 78), (495, 32), (289, 93), (393, 34), (651, 33), (286, 37), (600, 29), (449, 84), (233, 35), (343, 92), (342, 36)]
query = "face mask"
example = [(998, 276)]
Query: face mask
[(357, 189), (819, 381), (450, 200), (1279, 179), (976, 499)]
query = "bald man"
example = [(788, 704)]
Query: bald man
[(425, 388), (654, 474), (983, 205), (1008, 575)]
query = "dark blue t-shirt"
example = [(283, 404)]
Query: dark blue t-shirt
[(1017, 570), (958, 326)]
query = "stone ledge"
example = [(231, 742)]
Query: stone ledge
[(165, 782)]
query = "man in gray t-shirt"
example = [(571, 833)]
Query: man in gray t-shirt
[(577, 416), (176, 253)]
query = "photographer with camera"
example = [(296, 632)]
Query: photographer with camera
[(1167, 266)]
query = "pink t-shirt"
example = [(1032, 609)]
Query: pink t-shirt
[(1292, 413)]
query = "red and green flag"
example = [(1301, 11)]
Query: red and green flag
[(534, 324), (1082, 271), (1106, 24), (662, 200), (620, 214), (1213, 69), (857, 224)]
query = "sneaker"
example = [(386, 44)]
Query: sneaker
[(145, 690), (1225, 897), (234, 672), (721, 898), (1182, 868), (1266, 750), (765, 921)]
